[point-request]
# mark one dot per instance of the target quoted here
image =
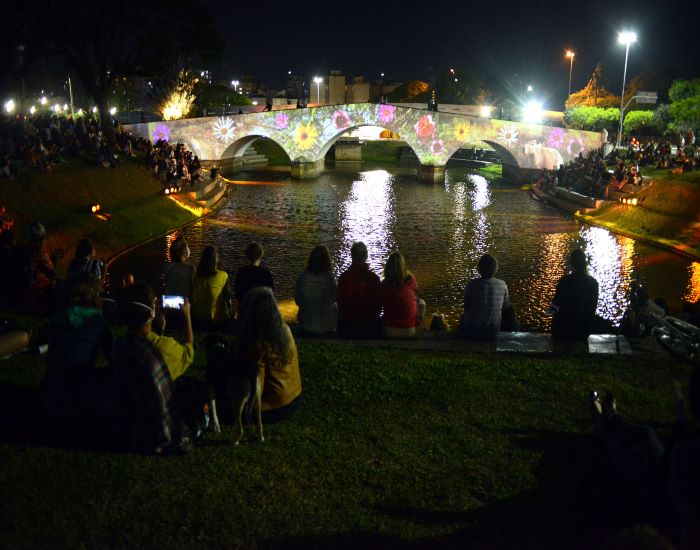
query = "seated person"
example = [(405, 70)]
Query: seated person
[(358, 296), (315, 294), (265, 339), (252, 275), (485, 299), (73, 387), (575, 301), (85, 261), (147, 418), (403, 310), (211, 295)]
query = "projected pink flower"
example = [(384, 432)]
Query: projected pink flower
[(425, 128), (161, 131), (437, 147), (386, 113), (556, 138), (575, 146), (341, 120), (281, 121)]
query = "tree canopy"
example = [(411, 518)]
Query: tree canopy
[(684, 109), (594, 93)]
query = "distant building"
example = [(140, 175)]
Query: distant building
[(295, 86), (358, 91), (336, 88), (248, 85)]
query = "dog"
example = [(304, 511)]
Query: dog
[(233, 382)]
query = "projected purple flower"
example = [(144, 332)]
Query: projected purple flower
[(556, 138), (281, 121), (386, 113), (575, 146), (437, 147), (161, 131), (425, 128), (341, 120)]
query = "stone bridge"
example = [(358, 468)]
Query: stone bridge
[(307, 134)]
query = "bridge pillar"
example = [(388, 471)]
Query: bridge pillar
[(431, 173), (516, 174), (348, 149), (305, 169)]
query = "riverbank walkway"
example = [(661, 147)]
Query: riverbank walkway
[(527, 343)]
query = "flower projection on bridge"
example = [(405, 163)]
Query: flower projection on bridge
[(308, 134)]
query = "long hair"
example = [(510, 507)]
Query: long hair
[(395, 272), (177, 250), (319, 260), (208, 262), (83, 289), (260, 319)]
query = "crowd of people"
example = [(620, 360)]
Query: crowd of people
[(174, 163)]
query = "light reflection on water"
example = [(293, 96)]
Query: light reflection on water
[(441, 229)]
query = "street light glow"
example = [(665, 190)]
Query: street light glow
[(529, 87), (318, 80), (627, 38), (9, 106), (43, 101), (94, 109), (113, 111), (569, 53), (32, 110), (486, 111), (532, 112), (57, 108)]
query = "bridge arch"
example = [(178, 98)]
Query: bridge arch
[(505, 155), (327, 146), (238, 147)]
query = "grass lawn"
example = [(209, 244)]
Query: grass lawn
[(390, 448), (60, 199), (668, 214)]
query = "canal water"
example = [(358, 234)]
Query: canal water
[(442, 230)]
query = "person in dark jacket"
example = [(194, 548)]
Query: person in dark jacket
[(575, 301)]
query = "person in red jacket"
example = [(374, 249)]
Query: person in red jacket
[(358, 297), (403, 310)]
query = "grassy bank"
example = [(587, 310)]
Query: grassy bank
[(60, 199), (390, 448), (668, 214)]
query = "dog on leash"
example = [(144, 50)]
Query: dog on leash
[(232, 382)]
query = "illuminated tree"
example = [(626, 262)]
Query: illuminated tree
[(594, 93), (684, 109)]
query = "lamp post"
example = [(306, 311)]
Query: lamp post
[(626, 38), (235, 84), (318, 80), (570, 54)]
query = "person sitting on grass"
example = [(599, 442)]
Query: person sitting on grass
[(359, 304), (575, 301), (265, 339), (485, 299), (211, 295), (315, 295), (148, 417), (252, 275), (84, 260), (73, 386), (403, 310)]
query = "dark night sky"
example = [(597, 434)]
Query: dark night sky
[(492, 39)]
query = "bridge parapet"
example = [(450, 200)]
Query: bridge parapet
[(306, 135)]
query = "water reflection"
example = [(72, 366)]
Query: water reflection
[(442, 230), (367, 214)]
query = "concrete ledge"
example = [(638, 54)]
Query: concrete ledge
[(307, 169), (431, 174)]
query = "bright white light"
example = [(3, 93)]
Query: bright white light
[(43, 101), (113, 111), (456, 79), (32, 110), (318, 79), (255, 102), (289, 72), (57, 108), (65, 106), (532, 112), (94, 109), (9, 106), (627, 38), (80, 112), (486, 110), (529, 87)]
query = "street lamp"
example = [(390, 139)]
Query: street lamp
[(570, 54), (318, 80), (626, 38), (235, 84), (529, 87)]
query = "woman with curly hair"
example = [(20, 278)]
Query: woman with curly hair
[(265, 341), (403, 310)]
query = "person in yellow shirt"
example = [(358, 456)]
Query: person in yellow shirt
[(211, 298), (178, 357)]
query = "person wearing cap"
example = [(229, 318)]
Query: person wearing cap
[(35, 271)]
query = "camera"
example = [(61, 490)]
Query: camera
[(172, 302)]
